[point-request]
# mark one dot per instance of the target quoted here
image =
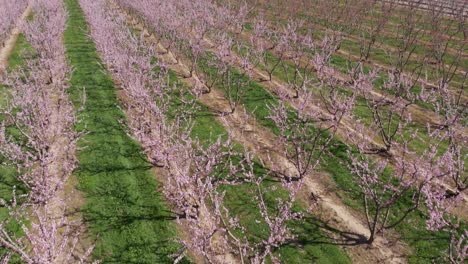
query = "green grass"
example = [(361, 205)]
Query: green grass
[(124, 211), (23, 50)]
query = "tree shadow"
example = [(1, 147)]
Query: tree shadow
[(314, 231)]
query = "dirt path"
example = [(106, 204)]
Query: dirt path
[(6, 51), (68, 200), (263, 143)]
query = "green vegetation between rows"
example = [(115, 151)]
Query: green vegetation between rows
[(124, 211)]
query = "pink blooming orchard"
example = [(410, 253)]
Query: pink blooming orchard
[(317, 104)]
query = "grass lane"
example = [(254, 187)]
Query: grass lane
[(123, 210)]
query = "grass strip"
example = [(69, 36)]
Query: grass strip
[(124, 211)]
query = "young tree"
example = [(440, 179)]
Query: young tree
[(382, 190), (50, 238), (394, 187), (390, 113), (300, 47), (305, 134), (370, 32), (232, 81), (195, 173), (276, 218)]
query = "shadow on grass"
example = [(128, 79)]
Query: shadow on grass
[(323, 233)]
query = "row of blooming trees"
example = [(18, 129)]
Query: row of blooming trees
[(38, 143)]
